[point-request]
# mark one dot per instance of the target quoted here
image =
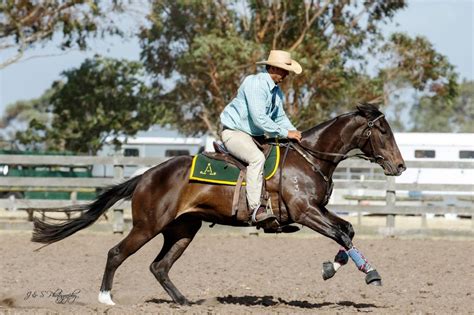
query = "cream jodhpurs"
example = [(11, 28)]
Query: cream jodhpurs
[(241, 145)]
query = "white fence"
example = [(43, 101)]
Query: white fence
[(389, 202)]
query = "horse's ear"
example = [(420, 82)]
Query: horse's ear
[(368, 109), (362, 109)]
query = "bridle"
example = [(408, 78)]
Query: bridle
[(305, 152), (367, 132)]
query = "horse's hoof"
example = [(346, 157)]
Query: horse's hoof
[(373, 278), (183, 302), (105, 298), (328, 270)]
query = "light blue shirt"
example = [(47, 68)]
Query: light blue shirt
[(252, 111)]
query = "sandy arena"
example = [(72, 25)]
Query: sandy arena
[(234, 273)]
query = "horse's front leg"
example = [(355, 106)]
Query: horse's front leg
[(321, 220)]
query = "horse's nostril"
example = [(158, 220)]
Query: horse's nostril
[(401, 167)]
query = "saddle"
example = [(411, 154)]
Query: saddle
[(220, 167), (210, 167)]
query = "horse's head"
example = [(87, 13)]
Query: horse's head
[(376, 140)]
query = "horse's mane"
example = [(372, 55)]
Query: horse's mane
[(367, 110)]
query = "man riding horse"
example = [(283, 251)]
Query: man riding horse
[(257, 110), (165, 201)]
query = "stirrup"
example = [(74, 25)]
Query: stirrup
[(268, 216), (268, 221)]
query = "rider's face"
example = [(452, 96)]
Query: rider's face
[(278, 74)]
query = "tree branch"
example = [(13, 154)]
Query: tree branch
[(204, 115), (309, 24), (261, 34), (281, 28), (356, 19), (217, 91)]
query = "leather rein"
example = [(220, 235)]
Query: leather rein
[(305, 152)]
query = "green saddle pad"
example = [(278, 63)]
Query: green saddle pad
[(206, 169)]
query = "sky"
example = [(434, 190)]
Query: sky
[(448, 24)]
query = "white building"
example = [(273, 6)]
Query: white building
[(451, 147), (156, 142)]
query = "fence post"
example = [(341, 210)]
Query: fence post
[(118, 225), (424, 221), (73, 202), (390, 199), (12, 199)]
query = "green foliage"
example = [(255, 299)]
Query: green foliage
[(210, 46), (415, 63), (198, 52), (441, 115), (18, 115), (22, 112), (102, 98), (26, 23)]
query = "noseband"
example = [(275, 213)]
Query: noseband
[(305, 152), (366, 134)]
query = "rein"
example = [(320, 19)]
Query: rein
[(367, 132), (305, 152)]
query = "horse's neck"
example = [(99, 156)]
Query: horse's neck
[(335, 136)]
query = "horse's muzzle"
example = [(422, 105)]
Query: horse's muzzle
[(401, 168), (391, 170)]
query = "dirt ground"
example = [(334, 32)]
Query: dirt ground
[(238, 273)]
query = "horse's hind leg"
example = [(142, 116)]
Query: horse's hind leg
[(177, 236), (137, 237)]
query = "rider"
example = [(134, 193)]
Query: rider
[(257, 110)]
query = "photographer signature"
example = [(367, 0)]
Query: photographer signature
[(59, 296)]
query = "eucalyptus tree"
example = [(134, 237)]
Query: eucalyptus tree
[(28, 23), (198, 52), (102, 100)]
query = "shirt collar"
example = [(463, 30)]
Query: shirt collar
[(269, 80)]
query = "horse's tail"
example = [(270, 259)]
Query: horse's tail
[(49, 233)]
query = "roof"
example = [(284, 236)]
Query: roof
[(439, 139), (163, 140)]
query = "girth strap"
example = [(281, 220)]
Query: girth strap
[(236, 197), (280, 184)]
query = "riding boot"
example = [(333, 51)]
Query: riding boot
[(262, 218)]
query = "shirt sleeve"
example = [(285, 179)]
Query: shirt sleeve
[(283, 120), (255, 94)]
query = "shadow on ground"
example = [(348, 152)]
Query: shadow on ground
[(268, 300)]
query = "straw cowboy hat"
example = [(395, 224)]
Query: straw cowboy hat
[(282, 59)]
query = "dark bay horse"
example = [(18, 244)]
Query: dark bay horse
[(165, 201)]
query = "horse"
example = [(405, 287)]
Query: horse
[(165, 201)]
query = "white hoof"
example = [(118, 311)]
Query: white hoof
[(105, 298)]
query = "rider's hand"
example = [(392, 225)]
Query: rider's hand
[(294, 134)]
